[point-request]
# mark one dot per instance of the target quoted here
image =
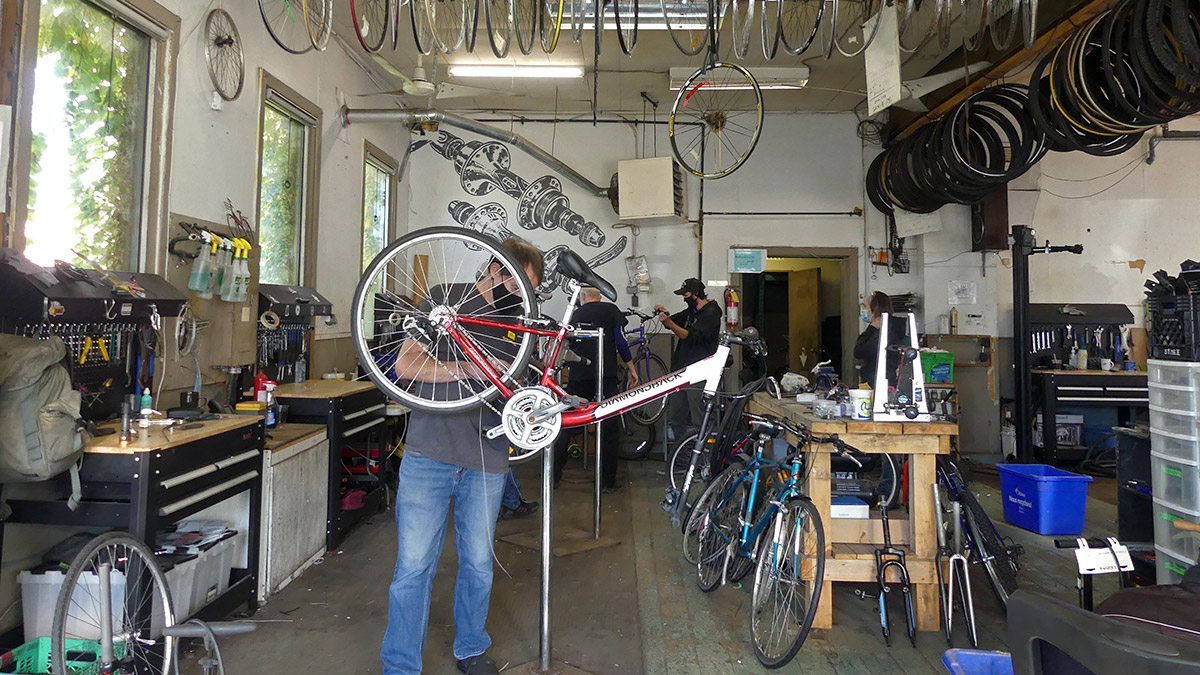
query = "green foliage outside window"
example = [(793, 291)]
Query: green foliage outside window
[(281, 203), (376, 198)]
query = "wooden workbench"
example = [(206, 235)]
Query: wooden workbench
[(850, 543), (323, 388), (157, 437)]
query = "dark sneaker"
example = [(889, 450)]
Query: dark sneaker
[(522, 510), (610, 488), (479, 665)]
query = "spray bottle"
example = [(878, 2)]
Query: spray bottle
[(201, 267)]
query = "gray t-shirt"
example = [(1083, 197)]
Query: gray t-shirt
[(459, 438)]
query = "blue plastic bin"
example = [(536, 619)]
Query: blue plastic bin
[(1043, 499), (977, 662)]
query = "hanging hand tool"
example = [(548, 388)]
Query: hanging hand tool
[(87, 347), (887, 558)]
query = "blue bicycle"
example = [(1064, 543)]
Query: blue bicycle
[(754, 514), (647, 365)]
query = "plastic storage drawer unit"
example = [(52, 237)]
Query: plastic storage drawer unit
[(1182, 543), (1173, 421), (1176, 482), (1175, 446), (1173, 373), (1173, 397), (1170, 567)]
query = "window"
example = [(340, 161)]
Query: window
[(287, 185), (88, 119), (379, 174)]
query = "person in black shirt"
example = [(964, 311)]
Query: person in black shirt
[(593, 313), (698, 329), (866, 349)]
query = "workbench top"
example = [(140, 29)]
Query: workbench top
[(158, 437), (289, 433), (802, 413), (323, 388), (1123, 373)]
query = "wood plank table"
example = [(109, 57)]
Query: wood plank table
[(850, 543)]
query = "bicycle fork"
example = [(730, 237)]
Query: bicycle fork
[(959, 578), (886, 558)]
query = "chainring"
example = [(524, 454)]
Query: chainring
[(522, 434)]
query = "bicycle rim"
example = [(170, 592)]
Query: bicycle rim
[(698, 517), (799, 22), (139, 604), (1002, 577), (223, 52), (399, 308), (370, 22), (578, 10), (652, 411), (741, 26), (284, 20), (421, 21), (551, 23), (318, 22), (1004, 21), (498, 17), (687, 24), (787, 583), (918, 22), (525, 22), (625, 15), (769, 27), (974, 14), (681, 459), (850, 36), (471, 33), (447, 23), (716, 120), (719, 528), (637, 441)]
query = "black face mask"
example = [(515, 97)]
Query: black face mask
[(504, 299), (691, 302)]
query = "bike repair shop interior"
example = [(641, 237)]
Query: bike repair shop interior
[(194, 188)]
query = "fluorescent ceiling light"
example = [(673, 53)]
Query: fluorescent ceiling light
[(508, 72), (791, 77)]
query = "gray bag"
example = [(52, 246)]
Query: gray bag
[(40, 427)]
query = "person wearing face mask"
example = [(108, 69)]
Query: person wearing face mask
[(698, 329), (866, 349)]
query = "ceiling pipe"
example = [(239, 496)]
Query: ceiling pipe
[(412, 117)]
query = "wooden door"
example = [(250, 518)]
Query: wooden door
[(804, 318)]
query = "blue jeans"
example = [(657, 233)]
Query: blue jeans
[(512, 491), (422, 508)]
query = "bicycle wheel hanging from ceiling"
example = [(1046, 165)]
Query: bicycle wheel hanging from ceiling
[(741, 25), (1004, 21), (625, 14), (498, 17), (975, 21), (525, 15), (769, 29), (716, 120), (471, 30), (284, 20), (447, 22), (917, 22), (550, 25), (318, 22), (578, 15), (422, 26), (799, 21), (371, 19), (687, 24), (223, 53), (852, 26)]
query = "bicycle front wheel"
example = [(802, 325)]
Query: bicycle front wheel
[(681, 459), (720, 527), (702, 513), (138, 605), (422, 289), (715, 120), (787, 583), (649, 368)]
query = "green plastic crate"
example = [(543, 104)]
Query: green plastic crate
[(938, 367), (33, 658)]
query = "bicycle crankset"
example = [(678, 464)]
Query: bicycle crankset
[(523, 420)]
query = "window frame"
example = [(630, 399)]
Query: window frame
[(372, 154), (162, 27), (271, 87)]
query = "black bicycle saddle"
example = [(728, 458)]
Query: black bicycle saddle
[(572, 266)]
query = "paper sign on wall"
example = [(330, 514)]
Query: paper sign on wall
[(882, 61), (910, 224), (960, 292), (747, 260)]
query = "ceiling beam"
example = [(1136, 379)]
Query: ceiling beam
[(1050, 38)]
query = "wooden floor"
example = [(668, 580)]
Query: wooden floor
[(629, 608)]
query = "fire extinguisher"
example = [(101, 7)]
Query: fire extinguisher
[(732, 318)]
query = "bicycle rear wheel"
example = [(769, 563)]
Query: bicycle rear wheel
[(787, 583), (700, 515), (649, 369), (722, 526), (139, 606), (370, 22), (715, 120), (411, 297), (636, 440), (681, 459)]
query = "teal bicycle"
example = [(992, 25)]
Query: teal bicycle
[(755, 515)]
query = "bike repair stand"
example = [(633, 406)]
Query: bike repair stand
[(906, 402), (886, 558), (958, 572), (577, 539)]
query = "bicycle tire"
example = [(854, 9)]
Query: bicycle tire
[(702, 507), (988, 549), (704, 91), (769, 27), (681, 459), (498, 16), (632, 452), (284, 25), (525, 15), (578, 9), (855, 32), (799, 22), (552, 13), (741, 26), (318, 34), (1003, 32), (690, 25), (223, 54), (918, 23), (714, 532), (140, 620), (420, 19), (395, 319), (625, 16), (796, 510), (974, 13), (371, 18), (650, 412), (447, 23), (471, 34)]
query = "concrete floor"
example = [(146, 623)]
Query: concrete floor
[(629, 608)]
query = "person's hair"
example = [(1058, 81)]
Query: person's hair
[(879, 303), (590, 294), (526, 255)]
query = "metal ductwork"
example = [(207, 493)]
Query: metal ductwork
[(413, 117)]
